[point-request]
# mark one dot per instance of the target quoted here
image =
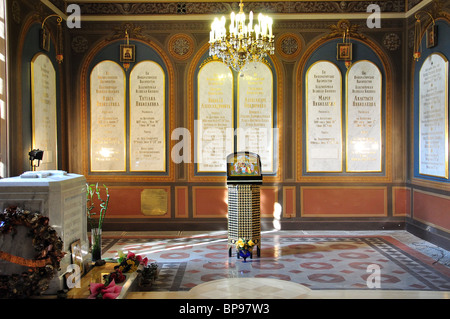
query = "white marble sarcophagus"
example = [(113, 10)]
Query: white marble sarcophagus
[(57, 195)]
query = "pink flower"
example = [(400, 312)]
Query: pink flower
[(130, 255), (109, 292)]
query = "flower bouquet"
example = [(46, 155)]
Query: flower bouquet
[(104, 291), (116, 275), (129, 263), (244, 247)]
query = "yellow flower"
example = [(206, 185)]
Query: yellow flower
[(250, 243)]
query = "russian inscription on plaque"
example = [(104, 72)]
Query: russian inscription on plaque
[(323, 118), (108, 140), (255, 121), (147, 118), (43, 86), (364, 118), (214, 117), (433, 116)]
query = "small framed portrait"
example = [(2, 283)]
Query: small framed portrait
[(77, 256), (431, 36), (344, 51), (127, 52)]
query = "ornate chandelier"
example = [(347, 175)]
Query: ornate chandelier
[(244, 41)]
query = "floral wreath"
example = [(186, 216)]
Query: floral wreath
[(42, 268)]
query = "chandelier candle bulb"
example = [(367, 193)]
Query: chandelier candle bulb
[(270, 21), (232, 19), (257, 31)]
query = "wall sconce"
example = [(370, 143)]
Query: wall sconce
[(431, 35), (45, 38), (35, 154)]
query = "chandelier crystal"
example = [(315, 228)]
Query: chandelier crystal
[(245, 41)]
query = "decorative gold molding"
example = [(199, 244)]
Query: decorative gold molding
[(342, 27), (282, 46), (131, 29), (181, 46)]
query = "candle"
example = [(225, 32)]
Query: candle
[(232, 18), (270, 21)]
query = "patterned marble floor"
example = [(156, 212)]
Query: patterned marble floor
[(316, 261)]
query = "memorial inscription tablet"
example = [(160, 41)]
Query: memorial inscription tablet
[(108, 139), (214, 117), (147, 118), (323, 118), (43, 86), (255, 118), (364, 121), (433, 116)]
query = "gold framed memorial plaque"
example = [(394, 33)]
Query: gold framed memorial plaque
[(323, 118), (214, 126), (43, 104), (255, 114), (147, 118), (108, 114), (364, 118), (433, 116)]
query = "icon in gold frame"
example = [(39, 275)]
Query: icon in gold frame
[(431, 36), (127, 53), (344, 51)]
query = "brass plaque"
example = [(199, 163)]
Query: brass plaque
[(154, 201)]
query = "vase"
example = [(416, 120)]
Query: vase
[(244, 253), (96, 243)]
